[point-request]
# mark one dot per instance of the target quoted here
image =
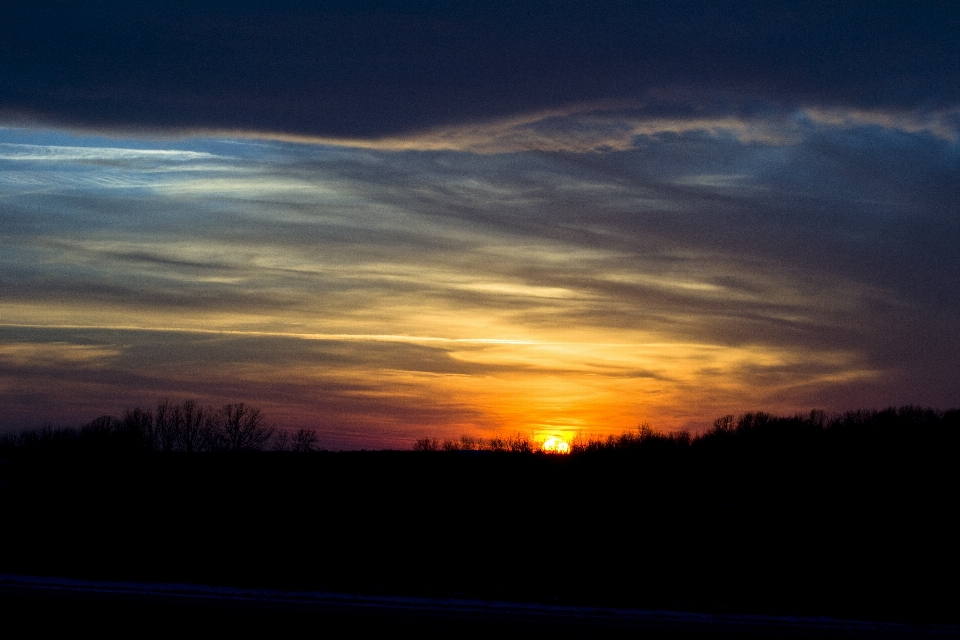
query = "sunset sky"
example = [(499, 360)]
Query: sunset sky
[(399, 220)]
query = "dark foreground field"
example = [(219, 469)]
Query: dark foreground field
[(55, 605), (843, 527)]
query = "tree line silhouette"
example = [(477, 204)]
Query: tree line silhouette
[(187, 427), (752, 430), (190, 427)]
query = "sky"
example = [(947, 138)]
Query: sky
[(389, 221)]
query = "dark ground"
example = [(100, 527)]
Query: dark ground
[(54, 605), (857, 533)]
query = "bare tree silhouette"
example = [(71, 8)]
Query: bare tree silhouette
[(164, 426), (238, 427), (192, 427), (305, 440)]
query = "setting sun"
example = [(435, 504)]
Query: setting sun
[(555, 445)]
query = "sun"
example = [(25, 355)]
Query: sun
[(555, 445)]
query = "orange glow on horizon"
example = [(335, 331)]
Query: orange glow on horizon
[(555, 445), (435, 373)]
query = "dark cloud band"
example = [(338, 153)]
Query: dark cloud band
[(371, 69)]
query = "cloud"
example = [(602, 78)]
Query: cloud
[(586, 130), (54, 153), (942, 123), (54, 354), (604, 128), (694, 271)]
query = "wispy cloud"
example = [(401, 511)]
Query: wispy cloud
[(577, 129), (942, 123), (600, 128), (694, 269), (56, 153), (55, 354)]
